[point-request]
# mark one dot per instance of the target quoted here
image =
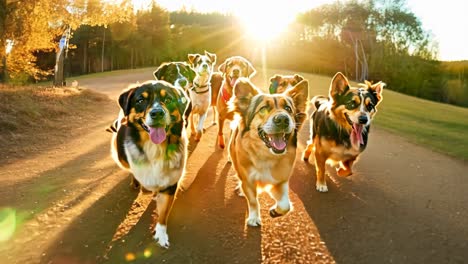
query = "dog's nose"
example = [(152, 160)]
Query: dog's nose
[(183, 82), (236, 72), (281, 120), (157, 113), (205, 66), (362, 119)]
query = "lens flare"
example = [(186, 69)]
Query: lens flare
[(147, 253), (130, 257), (7, 223)]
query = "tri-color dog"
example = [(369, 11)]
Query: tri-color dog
[(200, 92), (179, 74), (263, 145), (280, 83), (232, 69), (340, 126), (151, 143)]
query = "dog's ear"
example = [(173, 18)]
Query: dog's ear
[(299, 94), (212, 57), (191, 74), (376, 89), (298, 78), (339, 85), (192, 58), (160, 71), (250, 69), (124, 100), (222, 67), (274, 82), (243, 90)]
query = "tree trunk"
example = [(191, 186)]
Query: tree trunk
[(3, 14), (85, 57), (102, 50), (59, 79)]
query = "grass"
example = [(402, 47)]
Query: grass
[(441, 127), (33, 116)]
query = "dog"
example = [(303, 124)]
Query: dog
[(150, 142), (232, 69), (179, 74), (200, 93), (340, 126), (263, 145), (280, 83)]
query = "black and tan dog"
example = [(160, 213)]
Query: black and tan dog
[(151, 143), (232, 69), (263, 146), (340, 126), (280, 83)]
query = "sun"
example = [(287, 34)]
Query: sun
[(266, 21)]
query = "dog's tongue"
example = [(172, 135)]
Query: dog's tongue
[(356, 135), (157, 134), (233, 81), (277, 141)]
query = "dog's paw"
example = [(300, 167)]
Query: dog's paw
[(277, 212), (321, 187), (161, 236), (343, 172), (239, 191), (254, 221)]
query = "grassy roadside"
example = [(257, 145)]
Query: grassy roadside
[(35, 117)]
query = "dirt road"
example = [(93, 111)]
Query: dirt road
[(404, 204)]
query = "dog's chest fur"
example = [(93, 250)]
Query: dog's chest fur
[(201, 101), (153, 166)]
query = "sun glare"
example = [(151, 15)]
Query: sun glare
[(264, 21)]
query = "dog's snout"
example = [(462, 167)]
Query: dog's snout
[(236, 72), (363, 119), (281, 120), (183, 82), (157, 113), (205, 66)]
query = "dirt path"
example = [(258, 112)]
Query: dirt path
[(405, 204)]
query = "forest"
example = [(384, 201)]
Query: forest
[(367, 40)]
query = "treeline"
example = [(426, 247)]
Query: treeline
[(371, 39)]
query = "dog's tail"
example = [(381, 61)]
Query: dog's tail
[(318, 100), (113, 127)]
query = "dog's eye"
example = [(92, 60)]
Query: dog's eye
[(370, 107), (263, 110), (287, 108), (351, 105), (140, 100), (168, 100)]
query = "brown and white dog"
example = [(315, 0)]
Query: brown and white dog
[(340, 126), (263, 145), (280, 83), (150, 142), (200, 93), (232, 69)]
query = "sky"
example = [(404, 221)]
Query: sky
[(446, 20)]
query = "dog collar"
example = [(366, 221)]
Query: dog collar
[(195, 86)]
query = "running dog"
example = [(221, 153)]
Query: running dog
[(232, 69), (280, 83), (200, 93), (150, 142), (263, 145), (340, 126)]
